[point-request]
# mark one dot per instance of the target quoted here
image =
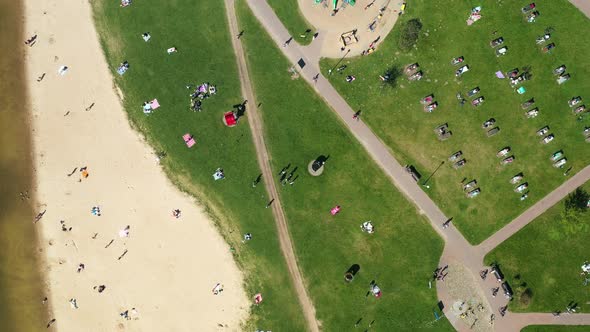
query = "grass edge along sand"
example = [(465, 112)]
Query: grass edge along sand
[(234, 205)]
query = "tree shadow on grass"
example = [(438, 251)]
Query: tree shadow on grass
[(390, 78)]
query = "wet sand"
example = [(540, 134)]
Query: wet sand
[(21, 287)]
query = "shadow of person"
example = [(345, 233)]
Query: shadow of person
[(240, 108), (322, 159)]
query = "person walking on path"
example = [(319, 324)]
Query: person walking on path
[(447, 223), (240, 34), (269, 203), (288, 41), (316, 77), (356, 115)]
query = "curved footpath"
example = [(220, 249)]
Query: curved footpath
[(166, 267), (457, 249)]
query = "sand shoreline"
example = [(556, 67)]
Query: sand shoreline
[(166, 267)]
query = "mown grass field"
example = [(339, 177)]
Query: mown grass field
[(396, 115), (400, 256), (201, 34), (547, 255)]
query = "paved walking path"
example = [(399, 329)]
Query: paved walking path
[(534, 211), (457, 249), (377, 149), (582, 5), (263, 160)]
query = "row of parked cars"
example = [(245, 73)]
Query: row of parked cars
[(500, 278)]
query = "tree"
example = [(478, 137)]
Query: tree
[(526, 297), (410, 34), (578, 200), (390, 76)]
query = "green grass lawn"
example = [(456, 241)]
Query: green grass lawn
[(395, 113), (205, 55), (556, 328), (289, 13), (403, 251), (547, 255)]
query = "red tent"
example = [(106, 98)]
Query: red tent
[(230, 119)]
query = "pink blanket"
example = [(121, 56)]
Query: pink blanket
[(154, 103)]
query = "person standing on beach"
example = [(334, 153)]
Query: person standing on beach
[(39, 216), (100, 288)]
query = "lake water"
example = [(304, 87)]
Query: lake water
[(21, 288)]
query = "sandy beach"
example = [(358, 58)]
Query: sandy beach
[(373, 20), (166, 267)]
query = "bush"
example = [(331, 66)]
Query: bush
[(389, 78), (410, 34), (525, 297), (577, 200)]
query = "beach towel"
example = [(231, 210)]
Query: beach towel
[(335, 210), (155, 104), (189, 140), (257, 298), (499, 74)]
